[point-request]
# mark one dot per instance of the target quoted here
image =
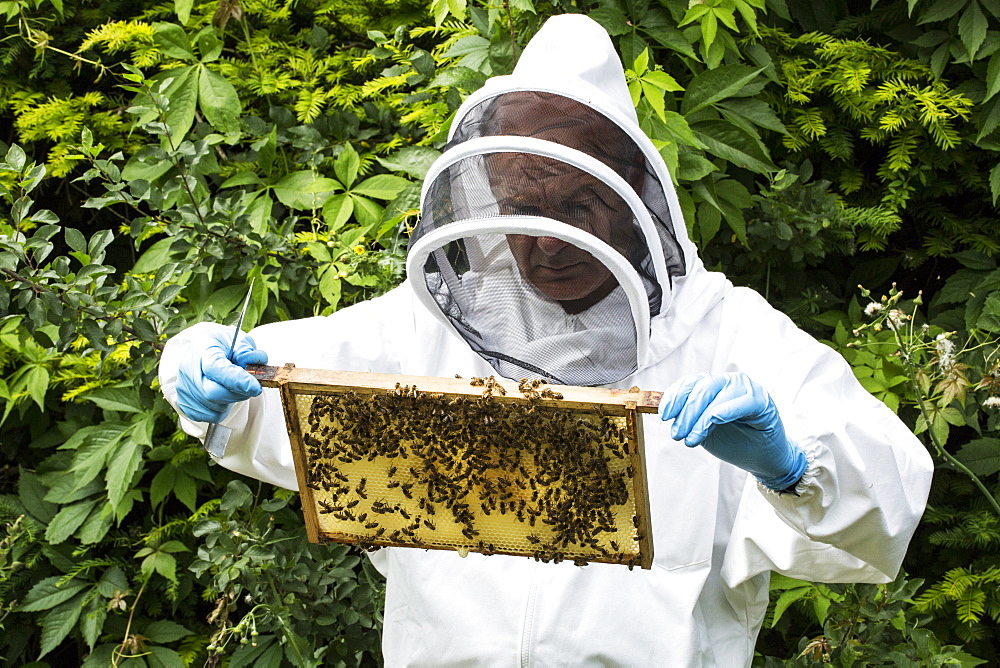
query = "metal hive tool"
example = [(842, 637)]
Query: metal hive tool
[(497, 467)]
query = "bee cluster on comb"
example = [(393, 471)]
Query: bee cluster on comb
[(489, 469)]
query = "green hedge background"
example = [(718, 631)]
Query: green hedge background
[(842, 158)]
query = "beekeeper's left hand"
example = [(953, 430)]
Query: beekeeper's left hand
[(735, 419)]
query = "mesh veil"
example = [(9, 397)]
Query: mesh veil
[(511, 231), (574, 124)]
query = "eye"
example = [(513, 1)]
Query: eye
[(580, 208), (523, 209)]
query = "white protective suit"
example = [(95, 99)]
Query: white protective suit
[(717, 533)]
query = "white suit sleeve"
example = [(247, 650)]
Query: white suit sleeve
[(358, 338), (868, 477)]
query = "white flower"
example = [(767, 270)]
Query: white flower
[(873, 309), (945, 349), (895, 318), (992, 402)]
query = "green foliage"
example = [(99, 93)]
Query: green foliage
[(180, 150), (860, 625)]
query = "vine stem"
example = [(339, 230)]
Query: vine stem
[(128, 626), (939, 447), (289, 634)]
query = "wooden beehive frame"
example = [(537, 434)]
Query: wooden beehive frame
[(621, 405)]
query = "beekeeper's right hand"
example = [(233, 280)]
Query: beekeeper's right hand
[(208, 382)]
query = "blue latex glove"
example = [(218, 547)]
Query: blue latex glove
[(208, 383), (735, 419)]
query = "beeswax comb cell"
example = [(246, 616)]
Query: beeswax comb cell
[(473, 465)]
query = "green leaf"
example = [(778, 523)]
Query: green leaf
[(981, 455), (93, 621), (182, 98), (68, 520), (116, 398), (755, 111), (121, 467), (414, 161), (995, 183), (209, 44), (714, 85), (31, 494), (97, 524), (611, 19), (218, 100), (732, 143), (368, 212), (183, 10), (786, 599), (75, 239), (972, 29), (381, 186), (241, 179), (154, 257), (162, 563), (941, 10), (165, 631), (57, 624), (162, 483), (662, 80), (164, 657), (330, 285), (337, 210), (992, 76), (641, 62), (37, 383), (47, 594), (173, 41), (346, 165), (304, 189)]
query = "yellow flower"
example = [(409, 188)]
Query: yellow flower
[(359, 249)]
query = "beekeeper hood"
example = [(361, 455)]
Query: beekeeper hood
[(550, 239)]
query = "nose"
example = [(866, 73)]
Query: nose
[(550, 245)]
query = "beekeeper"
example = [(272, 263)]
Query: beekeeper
[(551, 245)]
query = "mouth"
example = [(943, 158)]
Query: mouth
[(561, 270)]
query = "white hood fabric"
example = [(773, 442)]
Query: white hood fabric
[(717, 534)]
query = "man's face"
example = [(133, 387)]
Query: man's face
[(538, 186), (547, 188)]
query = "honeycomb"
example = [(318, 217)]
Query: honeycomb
[(402, 467)]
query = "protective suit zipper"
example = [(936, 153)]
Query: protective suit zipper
[(529, 620)]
